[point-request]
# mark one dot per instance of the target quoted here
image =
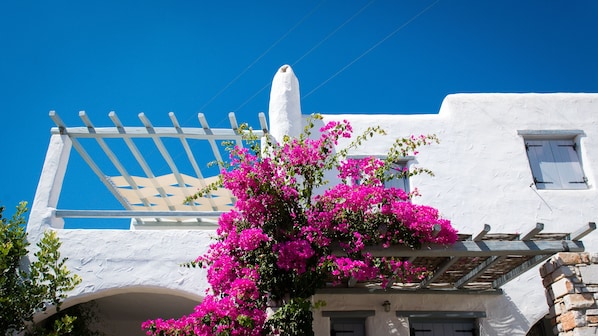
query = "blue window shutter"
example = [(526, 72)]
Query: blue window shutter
[(542, 164), (555, 164), (567, 161), (398, 182)]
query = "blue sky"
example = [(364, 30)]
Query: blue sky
[(362, 56)]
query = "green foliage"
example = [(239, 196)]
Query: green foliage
[(293, 319), (73, 321), (27, 288)]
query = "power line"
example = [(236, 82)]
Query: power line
[(371, 48), (310, 50), (310, 13), (262, 55), (334, 32)]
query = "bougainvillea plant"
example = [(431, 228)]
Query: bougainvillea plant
[(291, 233)]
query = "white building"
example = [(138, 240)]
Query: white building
[(515, 173)]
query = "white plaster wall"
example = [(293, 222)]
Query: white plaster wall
[(482, 176), (481, 167), (116, 259), (509, 322), (112, 262)]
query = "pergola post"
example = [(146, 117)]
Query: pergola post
[(49, 186)]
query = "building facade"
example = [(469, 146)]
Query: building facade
[(507, 160), (516, 168)]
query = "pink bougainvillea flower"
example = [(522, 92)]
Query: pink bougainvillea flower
[(281, 241)]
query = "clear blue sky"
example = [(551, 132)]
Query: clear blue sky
[(214, 57)]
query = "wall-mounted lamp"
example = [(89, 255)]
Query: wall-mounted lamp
[(386, 305)]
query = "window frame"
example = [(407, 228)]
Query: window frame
[(403, 162), (552, 164), (349, 316), (414, 322), (357, 321), (443, 317)]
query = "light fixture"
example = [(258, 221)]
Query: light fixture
[(386, 305)]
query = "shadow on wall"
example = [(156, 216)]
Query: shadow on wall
[(507, 319), (120, 313)]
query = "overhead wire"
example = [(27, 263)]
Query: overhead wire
[(333, 32), (310, 13), (371, 48), (310, 50)]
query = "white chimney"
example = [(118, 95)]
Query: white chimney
[(285, 107)]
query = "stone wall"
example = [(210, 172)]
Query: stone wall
[(571, 282)]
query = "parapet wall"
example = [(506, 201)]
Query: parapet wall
[(571, 282)]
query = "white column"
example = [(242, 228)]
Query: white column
[(49, 186), (285, 107)]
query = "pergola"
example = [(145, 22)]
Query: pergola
[(152, 199), (480, 263), (477, 263)]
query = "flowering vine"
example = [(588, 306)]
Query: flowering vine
[(290, 233)]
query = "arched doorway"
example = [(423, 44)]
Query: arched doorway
[(121, 314), (542, 328)]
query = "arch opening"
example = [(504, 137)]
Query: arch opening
[(121, 313)]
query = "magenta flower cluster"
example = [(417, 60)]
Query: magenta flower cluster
[(284, 241)]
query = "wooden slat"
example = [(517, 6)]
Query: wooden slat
[(482, 233), (537, 229), (141, 132), (206, 128), (393, 290), (478, 271), (478, 249), (235, 126), (191, 158), (439, 271), (263, 123), (583, 231), (233, 122), (113, 158), (515, 272), (137, 154), (90, 162), (135, 213), (164, 152)]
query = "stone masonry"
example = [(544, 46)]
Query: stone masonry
[(571, 282)]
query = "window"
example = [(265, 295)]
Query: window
[(555, 163), (348, 323), (347, 326), (442, 327), (401, 182), (442, 323)]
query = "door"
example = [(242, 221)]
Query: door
[(347, 327), (461, 327)]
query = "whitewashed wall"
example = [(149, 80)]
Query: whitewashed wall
[(114, 264), (482, 176), (502, 319)]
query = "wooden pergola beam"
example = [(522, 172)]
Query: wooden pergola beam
[(485, 248)]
